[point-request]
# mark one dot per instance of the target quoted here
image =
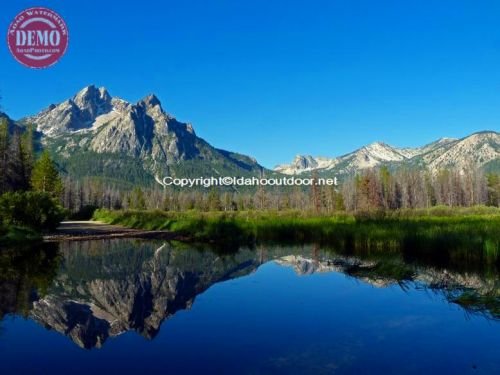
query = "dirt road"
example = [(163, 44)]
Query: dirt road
[(94, 230)]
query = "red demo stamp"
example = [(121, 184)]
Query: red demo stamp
[(37, 37)]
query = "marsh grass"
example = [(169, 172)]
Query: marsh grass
[(467, 238)]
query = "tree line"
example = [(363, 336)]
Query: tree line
[(30, 186), (374, 189), (23, 172), (407, 189)]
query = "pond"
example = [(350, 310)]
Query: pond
[(128, 306)]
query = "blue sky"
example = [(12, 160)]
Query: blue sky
[(276, 78)]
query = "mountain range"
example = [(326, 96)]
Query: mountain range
[(478, 150), (94, 134)]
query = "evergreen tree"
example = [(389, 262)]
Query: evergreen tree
[(15, 173), (4, 148), (45, 176), (28, 151)]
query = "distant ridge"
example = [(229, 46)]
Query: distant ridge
[(478, 150), (94, 134)]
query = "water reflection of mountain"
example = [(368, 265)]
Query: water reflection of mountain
[(107, 288), (104, 288), (477, 293)]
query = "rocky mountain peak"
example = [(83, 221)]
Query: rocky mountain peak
[(305, 161), (378, 147), (445, 140), (77, 113), (150, 101), (377, 144), (152, 106), (190, 129), (299, 164), (93, 101)]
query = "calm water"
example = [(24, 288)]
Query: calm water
[(133, 306)]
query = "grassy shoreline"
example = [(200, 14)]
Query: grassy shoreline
[(422, 230)]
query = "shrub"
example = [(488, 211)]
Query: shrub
[(37, 210)]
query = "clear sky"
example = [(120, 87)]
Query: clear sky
[(272, 79)]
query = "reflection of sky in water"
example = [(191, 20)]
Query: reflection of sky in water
[(275, 321)]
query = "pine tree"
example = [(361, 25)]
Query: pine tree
[(15, 173), (45, 176), (4, 147), (28, 151)]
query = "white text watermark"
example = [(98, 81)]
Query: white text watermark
[(208, 182)]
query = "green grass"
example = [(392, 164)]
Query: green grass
[(242, 225), (465, 237)]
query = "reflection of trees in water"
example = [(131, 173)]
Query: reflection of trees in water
[(25, 274), (455, 250), (104, 288), (474, 286)]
